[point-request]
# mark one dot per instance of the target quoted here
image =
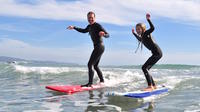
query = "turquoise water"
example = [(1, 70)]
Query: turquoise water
[(22, 88)]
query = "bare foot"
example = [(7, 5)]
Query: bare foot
[(154, 87), (149, 88)]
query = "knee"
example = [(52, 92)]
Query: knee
[(96, 67), (89, 65), (144, 68), (160, 55)]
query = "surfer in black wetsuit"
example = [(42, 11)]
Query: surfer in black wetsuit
[(144, 37), (97, 32)]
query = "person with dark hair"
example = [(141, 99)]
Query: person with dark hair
[(144, 37), (97, 32)]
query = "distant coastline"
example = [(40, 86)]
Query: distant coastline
[(7, 59)]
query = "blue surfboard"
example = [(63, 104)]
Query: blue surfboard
[(140, 93)]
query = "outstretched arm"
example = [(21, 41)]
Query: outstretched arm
[(139, 38), (151, 29), (78, 29)]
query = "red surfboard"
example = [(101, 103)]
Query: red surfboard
[(70, 89)]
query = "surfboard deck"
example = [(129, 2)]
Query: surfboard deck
[(70, 89), (140, 93)]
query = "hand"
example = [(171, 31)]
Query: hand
[(101, 33), (70, 27), (133, 31), (148, 16)]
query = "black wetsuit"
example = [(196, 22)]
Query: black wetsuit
[(147, 39), (95, 57)]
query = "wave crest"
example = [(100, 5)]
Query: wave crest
[(46, 70)]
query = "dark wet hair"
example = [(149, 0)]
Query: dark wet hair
[(91, 13)]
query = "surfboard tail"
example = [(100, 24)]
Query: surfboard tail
[(140, 93)]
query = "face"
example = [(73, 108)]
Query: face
[(91, 18), (139, 30)]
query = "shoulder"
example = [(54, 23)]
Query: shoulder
[(146, 34), (88, 25), (97, 24)]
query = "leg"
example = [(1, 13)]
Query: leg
[(151, 78), (96, 67), (148, 77), (90, 69), (99, 73), (155, 57), (94, 58), (146, 67), (146, 73)]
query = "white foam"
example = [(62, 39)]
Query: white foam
[(114, 79), (170, 78), (46, 70), (132, 79), (136, 79), (40, 70)]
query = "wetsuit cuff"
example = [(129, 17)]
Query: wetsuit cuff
[(106, 35), (75, 27)]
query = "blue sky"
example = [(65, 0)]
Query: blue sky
[(36, 30)]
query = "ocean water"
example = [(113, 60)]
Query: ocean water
[(22, 88)]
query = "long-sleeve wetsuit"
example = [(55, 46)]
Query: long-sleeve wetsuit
[(147, 39), (95, 57)]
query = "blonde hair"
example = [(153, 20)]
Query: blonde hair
[(142, 25)]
